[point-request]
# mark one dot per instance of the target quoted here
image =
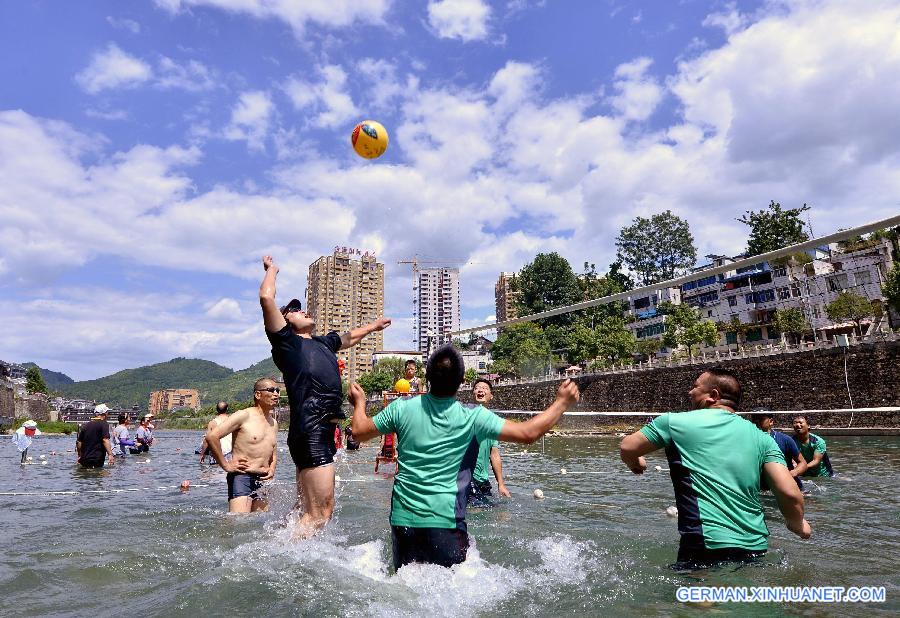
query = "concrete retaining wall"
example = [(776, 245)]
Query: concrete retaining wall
[(808, 380)]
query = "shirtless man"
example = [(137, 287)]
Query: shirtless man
[(253, 435)]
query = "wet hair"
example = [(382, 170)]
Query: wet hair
[(485, 381), (222, 407), (408, 363), (122, 417), (445, 370), (727, 384)]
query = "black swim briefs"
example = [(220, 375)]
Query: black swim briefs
[(443, 546), (313, 449), (244, 485)]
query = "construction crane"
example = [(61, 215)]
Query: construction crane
[(438, 263)]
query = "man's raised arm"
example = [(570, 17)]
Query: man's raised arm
[(272, 317), (632, 451), (789, 497), (351, 338), (360, 424), (529, 431)]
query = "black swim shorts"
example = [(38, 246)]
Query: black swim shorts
[(443, 546), (241, 485), (693, 554), (313, 449), (479, 493)]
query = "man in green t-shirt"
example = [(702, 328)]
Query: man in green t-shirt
[(488, 455), (438, 444), (716, 459), (812, 447)]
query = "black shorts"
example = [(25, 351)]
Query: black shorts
[(91, 464), (313, 449), (693, 554), (443, 546), (244, 485), (479, 493)]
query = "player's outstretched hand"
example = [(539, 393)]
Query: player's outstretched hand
[(382, 323), (568, 393), (269, 262)]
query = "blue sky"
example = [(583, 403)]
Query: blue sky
[(151, 152)]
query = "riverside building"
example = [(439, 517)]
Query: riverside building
[(505, 297), (807, 282), (171, 398)]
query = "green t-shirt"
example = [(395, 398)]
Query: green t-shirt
[(808, 450), (715, 460), (483, 465), (437, 445)]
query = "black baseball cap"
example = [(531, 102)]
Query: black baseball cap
[(293, 305)]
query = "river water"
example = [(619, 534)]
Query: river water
[(127, 541)]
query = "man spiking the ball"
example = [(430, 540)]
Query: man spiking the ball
[(313, 383)]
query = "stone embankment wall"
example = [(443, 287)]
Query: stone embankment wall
[(7, 401), (12, 405), (800, 381), (35, 406)]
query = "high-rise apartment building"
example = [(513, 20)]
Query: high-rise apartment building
[(438, 312), (171, 398), (505, 297), (344, 292)]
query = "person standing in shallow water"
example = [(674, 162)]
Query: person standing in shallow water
[(254, 434), (488, 455), (438, 445), (313, 384), (716, 459)]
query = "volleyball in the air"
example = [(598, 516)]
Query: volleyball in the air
[(402, 386), (369, 139)]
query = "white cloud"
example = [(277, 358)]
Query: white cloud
[(466, 20), (330, 13), (250, 119), (123, 23), (328, 97), (225, 309), (638, 93), (113, 68), (192, 76), (730, 20)]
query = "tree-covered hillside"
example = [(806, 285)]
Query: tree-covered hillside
[(53, 379), (133, 386)]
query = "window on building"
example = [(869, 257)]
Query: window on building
[(754, 334), (837, 283), (863, 277), (815, 312), (784, 293), (731, 338), (732, 301), (780, 272), (795, 290), (749, 298)]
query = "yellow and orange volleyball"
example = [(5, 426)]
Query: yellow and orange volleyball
[(369, 139)]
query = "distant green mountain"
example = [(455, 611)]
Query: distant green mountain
[(53, 379), (133, 386)]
